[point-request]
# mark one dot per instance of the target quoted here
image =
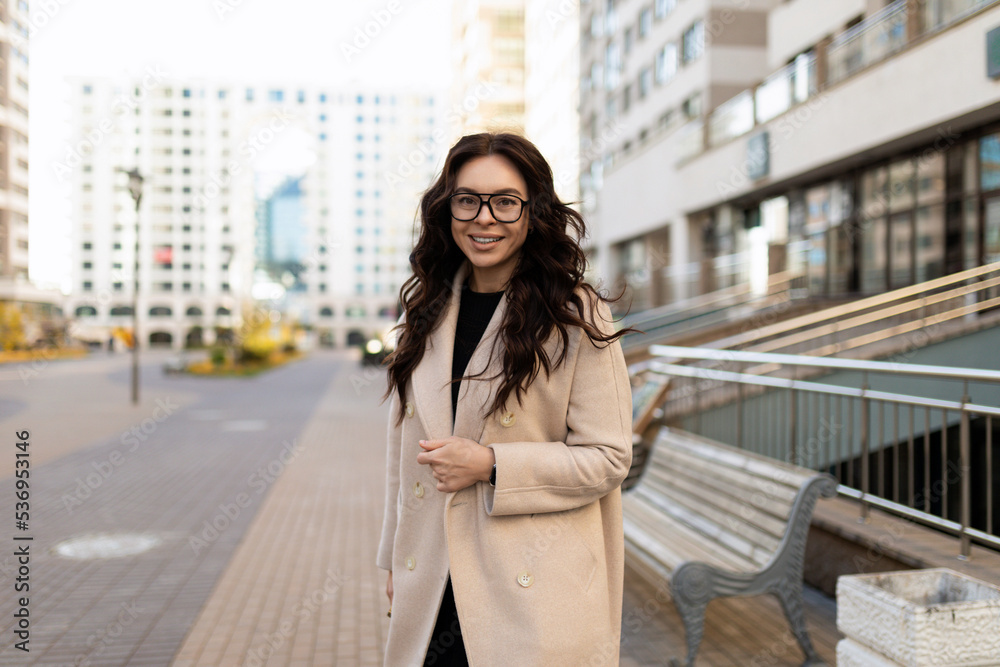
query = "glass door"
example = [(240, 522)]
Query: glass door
[(901, 250)]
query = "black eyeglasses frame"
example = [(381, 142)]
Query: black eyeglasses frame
[(489, 205)]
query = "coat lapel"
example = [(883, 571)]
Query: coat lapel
[(431, 380)]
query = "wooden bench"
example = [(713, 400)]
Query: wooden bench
[(648, 395), (715, 521)]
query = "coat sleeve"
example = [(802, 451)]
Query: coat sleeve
[(392, 453), (535, 477)]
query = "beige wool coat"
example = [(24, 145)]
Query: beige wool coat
[(537, 562)]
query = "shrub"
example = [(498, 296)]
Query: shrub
[(218, 356)]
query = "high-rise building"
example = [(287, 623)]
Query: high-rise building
[(652, 69), (552, 89), (488, 92), (367, 155), (851, 147), (14, 139)]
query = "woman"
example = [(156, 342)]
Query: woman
[(509, 431)]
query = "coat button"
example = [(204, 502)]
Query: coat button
[(418, 489), (411, 562), (508, 419), (525, 579), (409, 409)]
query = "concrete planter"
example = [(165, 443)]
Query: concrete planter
[(919, 618)]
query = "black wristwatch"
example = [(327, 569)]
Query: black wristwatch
[(493, 476)]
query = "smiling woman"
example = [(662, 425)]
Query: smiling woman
[(510, 428)]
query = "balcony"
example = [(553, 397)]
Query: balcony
[(874, 40)]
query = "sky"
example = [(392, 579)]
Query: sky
[(265, 42)]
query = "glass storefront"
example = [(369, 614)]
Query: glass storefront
[(892, 224)]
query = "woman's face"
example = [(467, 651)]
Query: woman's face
[(491, 246)]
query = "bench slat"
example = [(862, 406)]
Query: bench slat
[(741, 539), (756, 535), (792, 475), (672, 543), (750, 478), (759, 507)]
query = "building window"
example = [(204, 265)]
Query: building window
[(87, 286), (87, 245), (693, 42), (276, 95), (249, 94), (645, 81), (664, 7), (612, 65), (666, 63), (645, 21), (691, 107)]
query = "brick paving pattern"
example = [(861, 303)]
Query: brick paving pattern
[(289, 467), (303, 589), (137, 609)]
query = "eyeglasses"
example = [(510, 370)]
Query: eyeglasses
[(465, 206)]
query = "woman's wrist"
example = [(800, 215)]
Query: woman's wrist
[(490, 461)]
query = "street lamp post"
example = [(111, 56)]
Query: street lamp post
[(135, 189)]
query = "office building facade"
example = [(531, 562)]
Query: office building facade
[(860, 158)]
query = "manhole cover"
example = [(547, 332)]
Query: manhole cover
[(89, 547), (244, 425)]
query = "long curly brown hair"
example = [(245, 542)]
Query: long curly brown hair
[(541, 294)]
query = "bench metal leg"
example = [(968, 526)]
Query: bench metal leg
[(693, 615), (790, 596)]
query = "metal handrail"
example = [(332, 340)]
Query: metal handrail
[(871, 22), (949, 372), (727, 296), (805, 385), (783, 434), (836, 312)]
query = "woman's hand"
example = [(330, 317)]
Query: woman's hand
[(456, 463)]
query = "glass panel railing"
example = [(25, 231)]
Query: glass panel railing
[(938, 14), (690, 140), (787, 87), (870, 41), (731, 119)]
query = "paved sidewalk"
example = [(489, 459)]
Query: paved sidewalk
[(265, 496), (303, 589), (190, 482)]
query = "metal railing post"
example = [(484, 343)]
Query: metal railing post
[(739, 414), (965, 470), (865, 427)]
